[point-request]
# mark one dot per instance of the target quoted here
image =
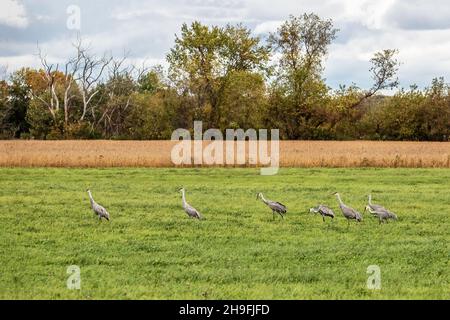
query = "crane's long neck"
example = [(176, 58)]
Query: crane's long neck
[(314, 210), (183, 196), (262, 198), (91, 199), (339, 198), (370, 199)]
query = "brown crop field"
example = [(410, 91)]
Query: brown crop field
[(101, 153)]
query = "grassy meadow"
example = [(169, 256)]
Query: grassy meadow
[(151, 250)]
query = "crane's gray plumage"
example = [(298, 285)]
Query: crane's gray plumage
[(323, 210), (190, 210), (275, 206), (380, 212), (349, 213), (375, 207), (98, 209)]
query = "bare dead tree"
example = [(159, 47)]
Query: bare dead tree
[(90, 71), (71, 70), (82, 75), (83, 72), (69, 73), (49, 76)]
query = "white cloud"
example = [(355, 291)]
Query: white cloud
[(423, 54), (369, 13), (420, 15), (267, 27), (146, 29), (17, 62), (203, 10), (13, 14)]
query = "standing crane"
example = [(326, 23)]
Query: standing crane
[(190, 210), (323, 210), (380, 212), (275, 206), (98, 209), (349, 213)]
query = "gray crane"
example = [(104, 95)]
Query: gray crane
[(275, 206), (380, 212), (98, 209), (190, 210), (323, 210), (349, 213)]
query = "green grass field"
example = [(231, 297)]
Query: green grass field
[(152, 250)]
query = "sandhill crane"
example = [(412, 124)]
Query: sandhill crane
[(380, 212), (98, 209), (275, 206), (323, 210), (375, 207), (191, 211), (383, 216), (349, 213)]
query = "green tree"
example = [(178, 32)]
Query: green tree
[(4, 110), (14, 101), (152, 81), (41, 121), (243, 100), (437, 111), (148, 118), (416, 114), (299, 94), (19, 100), (202, 59)]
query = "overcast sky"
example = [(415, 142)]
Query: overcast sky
[(419, 29)]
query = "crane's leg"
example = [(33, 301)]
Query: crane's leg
[(323, 218), (273, 215), (281, 215)]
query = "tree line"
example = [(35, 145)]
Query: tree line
[(227, 78)]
